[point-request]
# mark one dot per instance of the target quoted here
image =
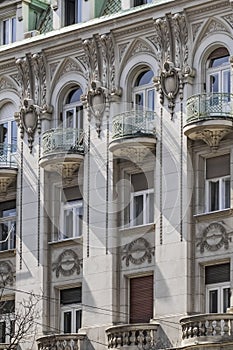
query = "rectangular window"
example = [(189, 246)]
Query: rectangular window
[(67, 213), (71, 309), (9, 30), (7, 309), (218, 183), (142, 199), (217, 281), (7, 225), (72, 12), (141, 299)]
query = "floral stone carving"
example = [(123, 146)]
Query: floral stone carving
[(138, 251), (67, 263)]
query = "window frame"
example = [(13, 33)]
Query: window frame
[(10, 37), (75, 206), (77, 14), (143, 90), (146, 207), (72, 307), (219, 287), (222, 193), (8, 319), (9, 242)]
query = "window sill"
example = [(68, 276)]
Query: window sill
[(138, 229), (65, 242), (214, 215), (7, 253)]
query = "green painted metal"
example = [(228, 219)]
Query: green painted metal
[(209, 106), (133, 124)]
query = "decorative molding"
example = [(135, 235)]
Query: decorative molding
[(229, 19), (108, 54), (6, 273), (195, 29), (212, 137), (69, 66), (96, 102), (52, 69), (6, 84), (5, 182), (180, 30), (66, 169), (135, 154), (214, 27), (162, 41), (39, 73), (213, 238), (24, 77), (122, 50), (67, 263), (137, 252), (90, 49)]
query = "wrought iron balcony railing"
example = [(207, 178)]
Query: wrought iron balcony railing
[(132, 336), (209, 106), (63, 140), (7, 155), (207, 328), (133, 123)]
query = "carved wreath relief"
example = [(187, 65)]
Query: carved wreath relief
[(137, 252), (213, 238), (67, 263)]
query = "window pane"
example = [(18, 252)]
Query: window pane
[(13, 135), (213, 301), (218, 166), (78, 320), (2, 332), (226, 183), (226, 82), (13, 30), (151, 207), (6, 32), (214, 83), (68, 223), (138, 210), (67, 322), (69, 12), (69, 123), (214, 195), (79, 117), (226, 299), (78, 218), (151, 100), (139, 101)]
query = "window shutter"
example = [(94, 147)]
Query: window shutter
[(71, 296), (217, 273), (141, 299), (218, 166), (142, 181)]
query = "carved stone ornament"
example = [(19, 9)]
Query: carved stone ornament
[(6, 273), (213, 238), (169, 80), (67, 263), (28, 119), (96, 102), (137, 252)]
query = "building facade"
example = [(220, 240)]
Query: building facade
[(116, 163)]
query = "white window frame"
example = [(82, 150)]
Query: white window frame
[(220, 288), (76, 206), (8, 318), (222, 194), (146, 209), (10, 38), (144, 90), (73, 308)]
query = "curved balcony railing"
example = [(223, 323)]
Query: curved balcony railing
[(7, 155), (207, 328), (60, 341), (133, 123), (132, 336), (209, 106), (63, 140)]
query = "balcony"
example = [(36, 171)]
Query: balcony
[(207, 329), (209, 117), (133, 336), (133, 135), (61, 341), (62, 151), (8, 167)]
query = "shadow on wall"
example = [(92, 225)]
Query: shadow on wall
[(162, 340)]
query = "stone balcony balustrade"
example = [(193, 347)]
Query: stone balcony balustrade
[(133, 336), (209, 117), (133, 134), (62, 151), (61, 341), (207, 329)]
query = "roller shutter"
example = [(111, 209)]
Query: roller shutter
[(141, 299)]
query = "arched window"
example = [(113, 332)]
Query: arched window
[(73, 109), (218, 71), (143, 91)]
